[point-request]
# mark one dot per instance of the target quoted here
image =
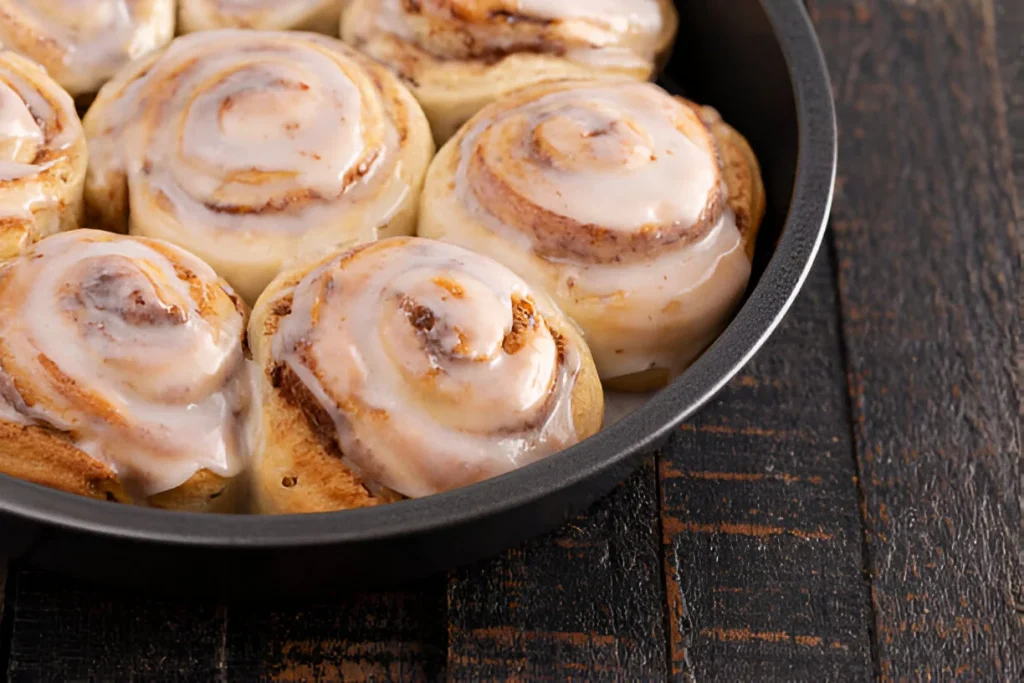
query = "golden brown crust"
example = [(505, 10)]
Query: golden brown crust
[(297, 465), (587, 395), (47, 457), (205, 491)]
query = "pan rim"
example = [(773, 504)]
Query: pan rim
[(752, 326)]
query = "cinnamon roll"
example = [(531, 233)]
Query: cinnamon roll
[(252, 148), (82, 44), (304, 15), (122, 372), (636, 211), (407, 367), (459, 55), (42, 156)]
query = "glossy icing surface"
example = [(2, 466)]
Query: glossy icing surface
[(84, 42), (42, 158), (438, 367), (253, 147), (616, 156), (131, 348), (610, 198)]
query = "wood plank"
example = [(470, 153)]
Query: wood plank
[(62, 631), (584, 602), (386, 636), (927, 244), (762, 529), (1008, 22)]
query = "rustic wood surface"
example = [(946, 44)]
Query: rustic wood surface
[(848, 508), (926, 236)]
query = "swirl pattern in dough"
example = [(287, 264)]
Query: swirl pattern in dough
[(635, 210), (42, 156), (83, 44), (459, 55), (410, 367), (122, 371), (253, 148)]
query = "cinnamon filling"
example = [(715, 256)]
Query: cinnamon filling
[(295, 393), (524, 321)]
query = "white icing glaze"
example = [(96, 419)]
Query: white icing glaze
[(425, 409), (612, 33), (614, 156), (252, 148), (159, 388), (20, 134), (42, 158), (84, 42), (620, 161)]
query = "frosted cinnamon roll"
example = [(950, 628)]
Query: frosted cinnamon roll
[(459, 55), (42, 156), (82, 44), (122, 372), (407, 367), (304, 15), (636, 211), (252, 148)]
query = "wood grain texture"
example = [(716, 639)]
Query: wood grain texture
[(1008, 19), (386, 636), (929, 281), (64, 631), (584, 602), (762, 528)]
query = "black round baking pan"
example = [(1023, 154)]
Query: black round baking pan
[(759, 63)]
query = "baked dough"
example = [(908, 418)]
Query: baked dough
[(408, 367), (635, 210)]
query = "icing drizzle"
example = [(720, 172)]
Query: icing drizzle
[(83, 43), (438, 367), (252, 147), (610, 197), (133, 349), (39, 167)]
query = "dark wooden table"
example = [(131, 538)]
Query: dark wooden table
[(849, 508)]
